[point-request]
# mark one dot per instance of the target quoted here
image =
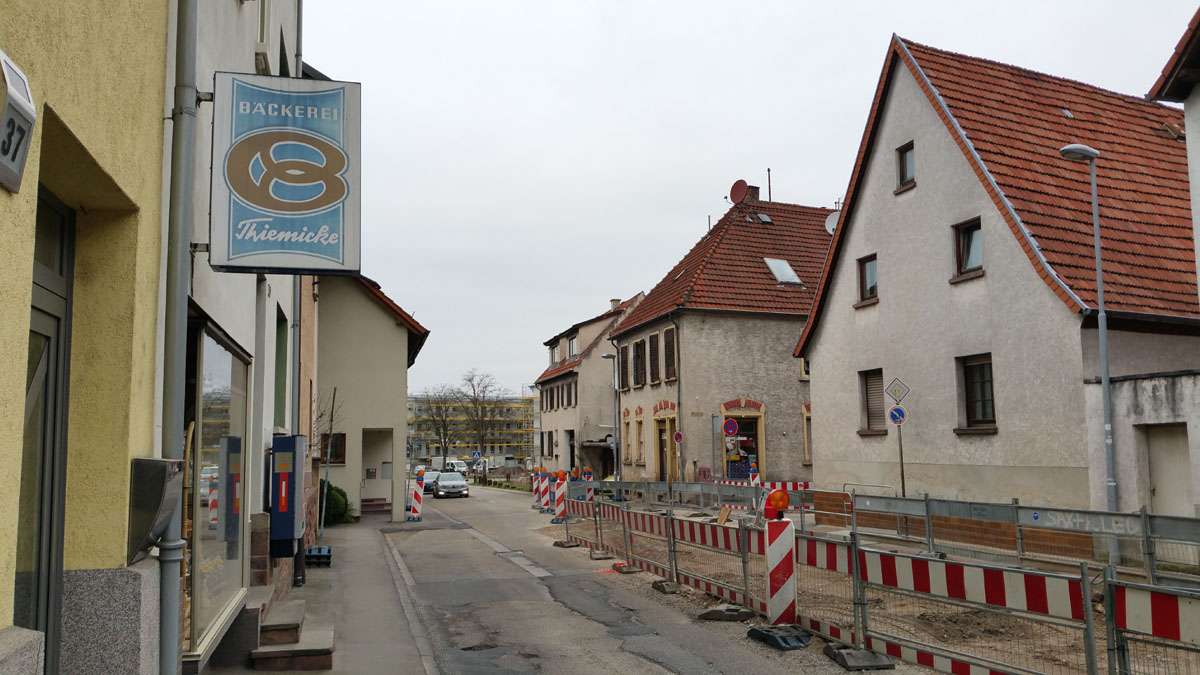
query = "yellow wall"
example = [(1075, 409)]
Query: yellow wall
[(97, 72)]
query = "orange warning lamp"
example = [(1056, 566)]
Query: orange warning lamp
[(754, 465), (575, 473), (777, 503), (562, 475), (420, 472)]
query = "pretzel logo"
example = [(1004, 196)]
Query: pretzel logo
[(261, 150)]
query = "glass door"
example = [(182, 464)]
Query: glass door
[(37, 586)]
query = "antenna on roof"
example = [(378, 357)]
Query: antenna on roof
[(769, 184), (738, 191), (710, 221), (831, 222)]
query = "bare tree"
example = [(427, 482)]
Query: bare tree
[(437, 413), (326, 423), (481, 401)]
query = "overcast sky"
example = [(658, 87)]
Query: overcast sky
[(523, 162)]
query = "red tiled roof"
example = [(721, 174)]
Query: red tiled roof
[(1173, 84), (1009, 123), (418, 333), (725, 269), (568, 364)]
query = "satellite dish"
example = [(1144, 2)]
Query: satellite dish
[(831, 221), (738, 192)]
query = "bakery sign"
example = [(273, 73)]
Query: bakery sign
[(285, 175)]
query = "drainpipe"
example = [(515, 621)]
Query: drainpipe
[(299, 575), (678, 391), (179, 273)]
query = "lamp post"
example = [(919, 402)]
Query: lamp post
[(616, 419), (1082, 153)]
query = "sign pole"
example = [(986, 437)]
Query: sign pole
[(900, 438)]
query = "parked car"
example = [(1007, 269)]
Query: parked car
[(430, 477), (450, 464), (450, 484)]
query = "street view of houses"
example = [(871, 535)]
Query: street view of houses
[(473, 337)]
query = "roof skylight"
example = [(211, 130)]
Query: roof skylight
[(764, 219), (783, 271)]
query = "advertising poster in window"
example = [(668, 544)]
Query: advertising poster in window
[(285, 175)]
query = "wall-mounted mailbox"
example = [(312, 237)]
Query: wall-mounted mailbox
[(287, 504), (17, 115), (155, 489)]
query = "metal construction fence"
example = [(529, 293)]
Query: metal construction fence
[(1161, 549), (947, 602)]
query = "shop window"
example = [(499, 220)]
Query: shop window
[(741, 449), (217, 520)]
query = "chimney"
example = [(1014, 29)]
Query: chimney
[(616, 302), (751, 193)]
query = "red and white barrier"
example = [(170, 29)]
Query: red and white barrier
[(720, 537), (589, 493), (418, 492), (1157, 613), (781, 572), (788, 485), (545, 493), (1056, 596), (212, 507), (560, 502)]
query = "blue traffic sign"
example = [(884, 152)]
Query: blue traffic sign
[(897, 415), (678, 436), (476, 455), (731, 427)]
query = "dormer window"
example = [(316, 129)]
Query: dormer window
[(573, 345), (554, 354)]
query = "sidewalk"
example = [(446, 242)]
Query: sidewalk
[(359, 596)]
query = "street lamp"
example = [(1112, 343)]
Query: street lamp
[(616, 419), (1082, 153)]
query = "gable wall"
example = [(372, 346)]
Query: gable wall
[(922, 323)]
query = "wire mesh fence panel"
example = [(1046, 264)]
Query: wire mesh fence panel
[(1144, 655), (824, 587), (708, 558), (971, 633), (612, 531), (648, 546), (581, 523), (1176, 562)]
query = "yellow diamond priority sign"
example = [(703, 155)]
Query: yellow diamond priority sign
[(897, 390)]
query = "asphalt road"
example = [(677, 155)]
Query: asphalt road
[(493, 595)]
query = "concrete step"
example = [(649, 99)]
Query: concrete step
[(282, 623), (372, 506), (313, 651)]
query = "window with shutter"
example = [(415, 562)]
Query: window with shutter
[(624, 366), (639, 363), (654, 357), (669, 354), (872, 398)]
